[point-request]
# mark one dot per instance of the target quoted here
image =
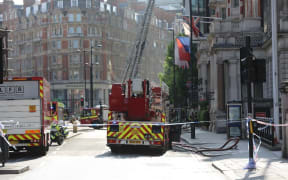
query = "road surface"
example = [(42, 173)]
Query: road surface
[(86, 157)]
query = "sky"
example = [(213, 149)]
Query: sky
[(18, 1)]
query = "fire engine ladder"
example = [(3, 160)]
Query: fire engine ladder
[(135, 56)]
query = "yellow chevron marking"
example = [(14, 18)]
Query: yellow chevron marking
[(36, 137), (150, 132), (12, 138), (141, 135), (20, 137), (28, 137), (124, 132), (36, 144), (143, 130), (135, 137), (41, 87), (41, 94), (161, 137), (111, 134)]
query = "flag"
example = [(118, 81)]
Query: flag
[(186, 28), (195, 25), (182, 52)]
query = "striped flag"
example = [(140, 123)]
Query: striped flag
[(195, 26), (182, 52)]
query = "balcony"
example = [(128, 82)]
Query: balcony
[(75, 35)]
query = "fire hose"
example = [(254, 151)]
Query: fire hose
[(203, 150)]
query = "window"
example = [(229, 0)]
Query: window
[(74, 75), (102, 7), (60, 18), (235, 3), (60, 4), (115, 9), (76, 43), (70, 17), (71, 30), (55, 19), (59, 44), (74, 3), (44, 7), (79, 30), (74, 59), (59, 59), (53, 60), (88, 3), (78, 17), (53, 45), (27, 11), (223, 13)]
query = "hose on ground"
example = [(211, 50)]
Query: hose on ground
[(203, 150)]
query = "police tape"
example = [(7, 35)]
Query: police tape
[(270, 124), (123, 123), (22, 125)]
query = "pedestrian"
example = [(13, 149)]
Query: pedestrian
[(4, 146)]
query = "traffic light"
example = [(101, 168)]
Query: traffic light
[(82, 102)]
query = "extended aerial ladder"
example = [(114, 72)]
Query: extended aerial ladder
[(134, 59)]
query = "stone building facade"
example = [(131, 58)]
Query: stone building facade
[(58, 38), (219, 55)]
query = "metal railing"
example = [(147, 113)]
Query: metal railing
[(267, 133)]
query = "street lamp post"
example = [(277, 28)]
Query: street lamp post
[(91, 76), (91, 80)]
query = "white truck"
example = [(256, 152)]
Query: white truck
[(25, 113)]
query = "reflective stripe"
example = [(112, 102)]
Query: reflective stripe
[(41, 88), (22, 137), (109, 115), (136, 131)]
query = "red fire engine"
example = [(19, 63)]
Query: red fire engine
[(137, 117), (138, 112)]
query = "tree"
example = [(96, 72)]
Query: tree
[(181, 76)]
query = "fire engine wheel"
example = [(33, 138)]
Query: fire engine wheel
[(115, 150), (96, 127)]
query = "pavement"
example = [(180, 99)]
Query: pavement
[(232, 163)]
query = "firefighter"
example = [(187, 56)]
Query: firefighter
[(4, 146)]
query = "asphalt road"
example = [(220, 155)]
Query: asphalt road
[(86, 157)]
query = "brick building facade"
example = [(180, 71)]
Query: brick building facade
[(54, 39)]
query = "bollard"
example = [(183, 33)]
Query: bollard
[(192, 126), (74, 126), (251, 163)]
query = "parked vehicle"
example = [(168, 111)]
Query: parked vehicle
[(25, 114)]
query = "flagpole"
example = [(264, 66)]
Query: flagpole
[(192, 63)]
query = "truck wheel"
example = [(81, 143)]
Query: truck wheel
[(95, 123), (115, 150)]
